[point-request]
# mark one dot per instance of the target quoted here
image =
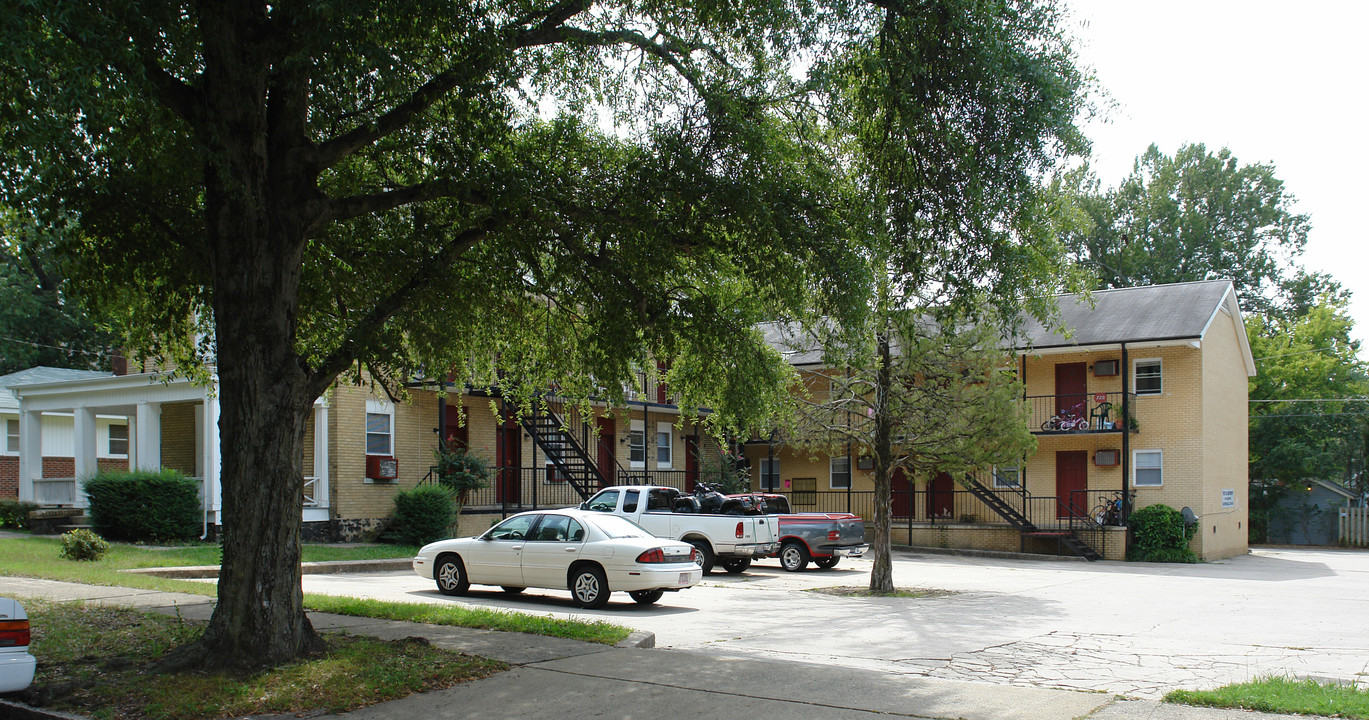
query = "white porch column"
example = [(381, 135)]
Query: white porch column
[(30, 452), (83, 440), (210, 455), (149, 425), (321, 454)]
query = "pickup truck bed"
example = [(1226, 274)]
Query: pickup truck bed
[(823, 538)]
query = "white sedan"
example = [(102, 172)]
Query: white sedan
[(16, 664), (589, 553)]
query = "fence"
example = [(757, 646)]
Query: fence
[(1101, 412), (1354, 526)]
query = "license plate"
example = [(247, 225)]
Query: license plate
[(857, 553), (684, 578)]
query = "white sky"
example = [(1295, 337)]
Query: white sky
[(1277, 82)]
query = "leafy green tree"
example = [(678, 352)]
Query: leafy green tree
[(39, 323), (934, 399), (1197, 215), (1301, 423), (297, 190), (947, 117)]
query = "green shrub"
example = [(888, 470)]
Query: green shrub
[(15, 514), (422, 515), (140, 506), (82, 544), (1159, 535), (460, 471)]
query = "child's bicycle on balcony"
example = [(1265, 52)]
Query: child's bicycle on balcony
[(1064, 421)]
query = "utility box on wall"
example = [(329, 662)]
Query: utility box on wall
[(379, 467)]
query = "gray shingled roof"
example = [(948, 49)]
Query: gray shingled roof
[(36, 375), (1153, 312)]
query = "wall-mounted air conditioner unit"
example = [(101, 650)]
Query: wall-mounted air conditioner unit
[(1107, 458), (379, 467), (1105, 368)]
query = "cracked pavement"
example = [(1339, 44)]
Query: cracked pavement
[(1132, 629)]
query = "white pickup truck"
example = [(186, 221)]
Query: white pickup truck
[(727, 540)]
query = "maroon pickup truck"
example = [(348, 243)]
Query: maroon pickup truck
[(821, 538)]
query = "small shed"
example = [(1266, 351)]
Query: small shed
[(1309, 514)]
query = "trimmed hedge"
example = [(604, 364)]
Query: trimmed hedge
[(140, 506), (15, 514), (422, 515), (1160, 535)]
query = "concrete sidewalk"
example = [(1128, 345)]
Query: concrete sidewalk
[(576, 679)]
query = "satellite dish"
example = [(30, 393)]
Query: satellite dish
[(1189, 517)]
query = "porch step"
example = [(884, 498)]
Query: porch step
[(55, 521)]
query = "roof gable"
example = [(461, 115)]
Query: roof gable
[(1138, 314), (40, 374)]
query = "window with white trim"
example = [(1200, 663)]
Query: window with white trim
[(663, 445), (770, 474), (380, 428), (1148, 468), (1008, 477), (1146, 377), (840, 469), (118, 441), (11, 437), (636, 445)]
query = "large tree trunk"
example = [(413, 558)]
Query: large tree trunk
[(882, 573), (256, 196)]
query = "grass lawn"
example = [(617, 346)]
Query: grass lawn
[(1282, 695), (94, 660), (40, 557)]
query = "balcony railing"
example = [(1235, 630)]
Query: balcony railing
[(1089, 412)]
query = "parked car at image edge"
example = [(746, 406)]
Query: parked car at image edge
[(591, 554), (16, 664)]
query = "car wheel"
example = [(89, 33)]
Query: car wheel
[(646, 597), (706, 558), (793, 556), (736, 566), (451, 576), (590, 587), (511, 589), (827, 562)]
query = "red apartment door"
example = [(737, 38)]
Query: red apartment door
[(943, 496), (1072, 483), (509, 457), (608, 463), (902, 494), (1071, 388), (457, 434)]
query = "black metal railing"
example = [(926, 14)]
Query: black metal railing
[(1089, 412)]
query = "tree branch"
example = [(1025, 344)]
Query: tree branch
[(357, 205), (366, 330)]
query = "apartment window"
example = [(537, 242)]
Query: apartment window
[(1149, 465), (1007, 478), (663, 448), (841, 473), (770, 474), (636, 444), (118, 440), (12, 437), (380, 427), (1147, 377)]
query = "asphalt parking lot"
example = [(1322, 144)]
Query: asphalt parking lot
[(1132, 629)]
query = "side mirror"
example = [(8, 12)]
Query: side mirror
[(584, 505)]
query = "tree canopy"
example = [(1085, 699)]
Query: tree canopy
[(1198, 215), (526, 192)]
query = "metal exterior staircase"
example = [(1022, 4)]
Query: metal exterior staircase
[(567, 447), (1067, 537)]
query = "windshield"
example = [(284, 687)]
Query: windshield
[(617, 527)]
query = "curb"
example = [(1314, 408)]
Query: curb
[(638, 639), (1001, 554), (308, 568), (19, 711)]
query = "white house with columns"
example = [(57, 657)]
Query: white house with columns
[(171, 422)]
